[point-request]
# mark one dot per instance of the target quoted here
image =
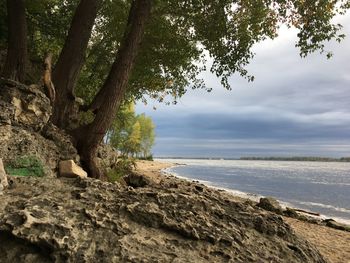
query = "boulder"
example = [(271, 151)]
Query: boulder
[(270, 204), (71, 170), (3, 177), (137, 180)]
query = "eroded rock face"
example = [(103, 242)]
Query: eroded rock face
[(24, 105), (17, 142), (25, 129), (75, 220)]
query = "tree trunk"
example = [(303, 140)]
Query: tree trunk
[(17, 54), (71, 60), (113, 90)]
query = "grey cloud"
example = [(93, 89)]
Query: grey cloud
[(174, 147), (246, 126), (304, 101)]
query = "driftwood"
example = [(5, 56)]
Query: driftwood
[(48, 85), (307, 212)]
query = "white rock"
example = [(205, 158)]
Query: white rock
[(71, 170), (3, 176)]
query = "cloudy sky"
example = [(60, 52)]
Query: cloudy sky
[(294, 107)]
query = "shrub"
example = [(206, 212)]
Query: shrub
[(147, 158), (25, 166), (122, 167)]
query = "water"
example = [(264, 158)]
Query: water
[(315, 186)]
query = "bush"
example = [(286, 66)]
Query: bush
[(122, 167), (147, 158), (25, 166)]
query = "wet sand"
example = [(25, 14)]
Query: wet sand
[(333, 244)]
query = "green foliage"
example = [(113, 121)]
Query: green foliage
[(166, 63), (122, 127), (48, 24), (86, 117), (147, 135), (133, 142), (26, 166), (179, 38), (147, 158), (182, 35), (132, 134), (123, 167)]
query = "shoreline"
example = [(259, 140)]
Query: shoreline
[(252, 196), (162, 169), (332, 243)]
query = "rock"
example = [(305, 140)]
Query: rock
[(62, 141), (71, 170), (290, 212), (7, 113), (270, 204), (3, 177), (137, 180), (16, 141), (27, 105), (25, 130), (60, 220), (334, 224)]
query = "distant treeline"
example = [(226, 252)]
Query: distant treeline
[(301, 158)]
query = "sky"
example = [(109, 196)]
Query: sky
[(295, 107)]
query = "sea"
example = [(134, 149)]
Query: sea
[(321, 187)]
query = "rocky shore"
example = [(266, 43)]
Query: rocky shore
[(329, 237), (85, 220)]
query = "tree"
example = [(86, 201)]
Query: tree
[(109, 98), (147, 135), (131, 134), (17, 54), (167, 62), (120, 130), (71, 60), (133, 143), (3, 25)]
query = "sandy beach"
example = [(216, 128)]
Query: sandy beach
[(333, 244)]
